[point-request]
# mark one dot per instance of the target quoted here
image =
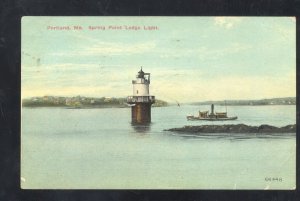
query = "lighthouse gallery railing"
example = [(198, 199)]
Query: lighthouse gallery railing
[(141, 99)]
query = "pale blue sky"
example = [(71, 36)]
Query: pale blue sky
[(189, 58)]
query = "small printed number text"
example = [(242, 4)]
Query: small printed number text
[(273, 179)]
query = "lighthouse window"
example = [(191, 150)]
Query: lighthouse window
[(137, 91)]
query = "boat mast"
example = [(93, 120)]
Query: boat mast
[(226, 106)]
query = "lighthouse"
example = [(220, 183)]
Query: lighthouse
[(141, 100)]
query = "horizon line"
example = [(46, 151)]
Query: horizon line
[(162, 99)]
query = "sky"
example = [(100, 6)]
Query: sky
[(189, 58)]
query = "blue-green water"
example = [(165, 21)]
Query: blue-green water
[(100, 149)]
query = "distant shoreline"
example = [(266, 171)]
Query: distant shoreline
[(110, 102), (81, 102), (262, 102)]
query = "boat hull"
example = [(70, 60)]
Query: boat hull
[(193, 118)]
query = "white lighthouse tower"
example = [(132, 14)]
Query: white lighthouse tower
[(141, 100)]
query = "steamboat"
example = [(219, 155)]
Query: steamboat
[(212, 116)]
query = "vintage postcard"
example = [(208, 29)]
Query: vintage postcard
[(158, 103)]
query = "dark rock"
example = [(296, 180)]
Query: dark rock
[(291, 128), (235, 128), (266, 128)]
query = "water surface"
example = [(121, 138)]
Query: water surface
[(100, 149)]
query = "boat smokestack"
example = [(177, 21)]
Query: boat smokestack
[(212, 109)]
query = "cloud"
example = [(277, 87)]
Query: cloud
[(66, 91), (226, 88), (166, 53), (107, 48), (215, 54), (227, 22), (119, 48), (203, 52), (183, 85)]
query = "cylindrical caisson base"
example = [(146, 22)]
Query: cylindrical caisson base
[(141, 113)]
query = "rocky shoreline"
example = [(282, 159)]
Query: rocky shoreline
[(235, 128)]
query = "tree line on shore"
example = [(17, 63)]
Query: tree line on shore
[(80, 101), (271, 101)]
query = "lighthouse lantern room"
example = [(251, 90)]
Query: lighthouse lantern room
[(141, 100)]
